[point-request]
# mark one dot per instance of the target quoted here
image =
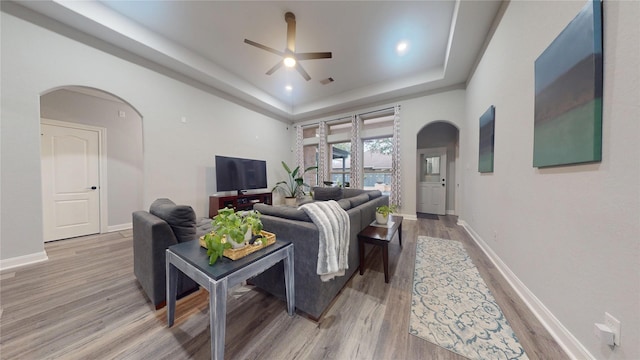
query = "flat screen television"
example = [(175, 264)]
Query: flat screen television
[(237, 174)]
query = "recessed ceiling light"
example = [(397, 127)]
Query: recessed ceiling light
[(288, 87), (402, 47)]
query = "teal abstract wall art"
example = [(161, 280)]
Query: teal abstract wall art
[(568, 93), (487, 130)]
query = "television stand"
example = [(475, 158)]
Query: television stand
[(239, 202)]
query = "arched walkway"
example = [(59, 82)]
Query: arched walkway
[(120, 151), (435, 141)]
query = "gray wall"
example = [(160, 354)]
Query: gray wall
[(569, 235), (124, 145), (178, 154)]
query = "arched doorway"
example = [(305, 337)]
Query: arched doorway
[(74, 200), (437, 155)]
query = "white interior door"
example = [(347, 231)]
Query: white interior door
[(432, 181), (70, 181)]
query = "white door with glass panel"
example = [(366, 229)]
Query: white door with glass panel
[(432, 181), (70, 176)]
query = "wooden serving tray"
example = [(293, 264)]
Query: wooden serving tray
[(235, 254)]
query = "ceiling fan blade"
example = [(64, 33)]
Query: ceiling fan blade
[(274, 68), (263, 47), (291, 31), (313, 55), (302, 72)]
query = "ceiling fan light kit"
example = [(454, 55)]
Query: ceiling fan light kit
[(289, 61), (289, 57)]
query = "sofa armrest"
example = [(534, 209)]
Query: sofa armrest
[(304, 236), (151, 237), (313, 295)]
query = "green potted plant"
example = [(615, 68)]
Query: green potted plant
[(231, 229), (294, 185), (216, 246), (252, 219), (382, 213)]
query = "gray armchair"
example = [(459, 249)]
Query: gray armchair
[(154, 231)]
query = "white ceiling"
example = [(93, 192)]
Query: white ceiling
[(204, 41)]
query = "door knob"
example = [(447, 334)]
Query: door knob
[(93, 187)]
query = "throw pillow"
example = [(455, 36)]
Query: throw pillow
[(351, 192), (285, 212), (345, 204), (359, 200), (374, 194), (327, 193), (181, 218)]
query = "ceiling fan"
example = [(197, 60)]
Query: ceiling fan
[(289, 56)]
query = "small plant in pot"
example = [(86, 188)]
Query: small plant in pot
[(382, 213), (294, 185), (252, 219), (232, 230)]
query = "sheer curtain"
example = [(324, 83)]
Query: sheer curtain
[(396, 184), (356, 152), (323, 169), (299, 149)]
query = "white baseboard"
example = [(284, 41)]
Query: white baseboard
[(451, 212), (565, 339), (409, 216), (119, 227), (14, 262)]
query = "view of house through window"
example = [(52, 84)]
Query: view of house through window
[(340, 163), (377, 164), (376, 152), (310, 159)]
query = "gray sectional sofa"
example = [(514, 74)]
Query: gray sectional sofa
[(154, 231), (312, 295)]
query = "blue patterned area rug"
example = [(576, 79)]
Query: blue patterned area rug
[(453, 308)]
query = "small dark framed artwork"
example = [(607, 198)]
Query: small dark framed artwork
[(487, 130), (568, 93)]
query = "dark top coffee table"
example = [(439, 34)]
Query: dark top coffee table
[(190, 258), (380, 235)]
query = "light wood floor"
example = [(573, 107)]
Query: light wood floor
[(85, 303)]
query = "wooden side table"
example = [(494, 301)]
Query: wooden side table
[(190, 258), (380, 235)]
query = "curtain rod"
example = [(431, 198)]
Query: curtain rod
[(375, 111)]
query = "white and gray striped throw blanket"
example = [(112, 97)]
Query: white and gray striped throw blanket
[(333, 224)]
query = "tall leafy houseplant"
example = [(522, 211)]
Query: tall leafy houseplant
[(293, 186)]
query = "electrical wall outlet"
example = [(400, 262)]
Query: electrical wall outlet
[(613, 324)]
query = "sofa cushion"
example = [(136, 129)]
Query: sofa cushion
[(358, 200), (345, 204), (327, 193), (286, 212), (203, 226), (305, 200), (374, 194), (181, 218), (351, 192)]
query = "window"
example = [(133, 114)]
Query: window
[(340, 163), (310, 159), (378, 122), (310, 132), (377, 164), (341, 127)]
